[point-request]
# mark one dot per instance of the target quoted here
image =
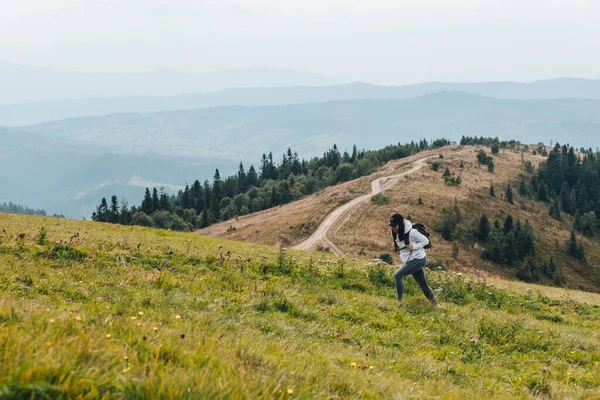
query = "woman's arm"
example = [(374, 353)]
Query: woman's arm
[(418, 240)]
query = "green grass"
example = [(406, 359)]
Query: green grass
[(131, 312)]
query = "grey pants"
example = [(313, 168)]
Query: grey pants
[(414, 268)]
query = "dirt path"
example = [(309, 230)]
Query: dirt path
[(377, 186)]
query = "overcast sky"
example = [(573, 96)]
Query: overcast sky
[(379, 41)]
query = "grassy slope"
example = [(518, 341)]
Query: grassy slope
[(290, 219), (143, 313), (363, 234), (474, 200)]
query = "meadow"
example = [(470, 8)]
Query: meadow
[(91, 310)]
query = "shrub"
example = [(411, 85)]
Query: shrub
[(41, 240), (386, 258), (142, 219), (380, 199), (483, 158), (379, 276)]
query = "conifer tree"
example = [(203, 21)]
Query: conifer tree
[(217, 190), (523, 189), (509, 194), (492, 191), (147, 206), (114, 210), (242, 181), (155, 200), (165, 204), (484, 228), (252, 177), (542, 195)]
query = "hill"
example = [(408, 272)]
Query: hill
[(361, 232), (98, 310), (41, 111)]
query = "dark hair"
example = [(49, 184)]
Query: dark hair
[(397, 219)]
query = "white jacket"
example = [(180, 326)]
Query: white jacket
[(415, 238)]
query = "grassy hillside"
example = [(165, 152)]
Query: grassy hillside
[(93, 310), (299, 219), (363, 233)]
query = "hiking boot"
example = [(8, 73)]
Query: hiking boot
[(436, 304)]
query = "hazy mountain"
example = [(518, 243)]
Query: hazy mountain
[(22, 83), (242, 132), (67, 166), (69, 177), (36, 112)]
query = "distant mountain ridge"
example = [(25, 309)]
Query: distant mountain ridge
[(26, 84), (32, 113)]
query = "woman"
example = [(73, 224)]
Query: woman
[(410, 242)]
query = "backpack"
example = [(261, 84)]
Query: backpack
[(423, 231)]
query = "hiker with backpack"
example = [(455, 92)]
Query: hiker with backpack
[(411, 241)]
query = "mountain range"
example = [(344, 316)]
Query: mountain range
[(66, 166), (24, 83), (20, 114)]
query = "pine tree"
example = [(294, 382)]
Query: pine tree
[(124, 213), (207, 195), (491, 166), (542, 195), (164, 202), (217, 190), (565, 199), (102, 213), (484, 228), (509, 194), (186, 199), (492, 191), (554, 210), (206, 219), (155, 200), (446, 173), (197, 197), (147, 206), (242, 179), (523, 189), (252, 177), (573, 249), (114, 210), (508, 224)]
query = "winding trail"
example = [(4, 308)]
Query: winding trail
[(377, 186)]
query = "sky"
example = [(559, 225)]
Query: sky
[(379, 41)]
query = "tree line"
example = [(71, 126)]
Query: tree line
[(274, 183), (12, 208), (569, 180)]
